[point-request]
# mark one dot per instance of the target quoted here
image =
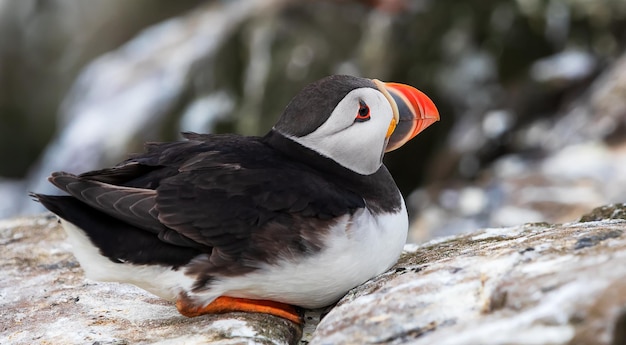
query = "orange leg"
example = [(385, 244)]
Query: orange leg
[(225, 304)]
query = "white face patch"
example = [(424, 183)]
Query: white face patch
[(358, 146)]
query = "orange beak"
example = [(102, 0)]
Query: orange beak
[(415, 112)]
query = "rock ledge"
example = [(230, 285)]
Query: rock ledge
[(531, 284)]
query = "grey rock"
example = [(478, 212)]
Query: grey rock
[(534, 284), (46, 300), (530, 284)]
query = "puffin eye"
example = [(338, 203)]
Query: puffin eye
[(363, 114)]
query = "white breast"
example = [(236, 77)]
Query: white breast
[(356, 249)]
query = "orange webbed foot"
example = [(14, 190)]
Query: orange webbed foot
[(225, 304)]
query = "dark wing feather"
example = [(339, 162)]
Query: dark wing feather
[(134, 206), (226, 196), (236, 197), (220, 206)]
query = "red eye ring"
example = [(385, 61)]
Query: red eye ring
[(364, 112)]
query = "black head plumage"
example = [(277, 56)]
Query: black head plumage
[(313, 105)]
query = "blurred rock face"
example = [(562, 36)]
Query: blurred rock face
[(504, 74), (44, 46)]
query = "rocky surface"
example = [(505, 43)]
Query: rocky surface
[(46, 300), (529, 284)]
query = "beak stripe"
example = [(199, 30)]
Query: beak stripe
[(394, 106)]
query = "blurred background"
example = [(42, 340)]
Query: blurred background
[(532, 93)]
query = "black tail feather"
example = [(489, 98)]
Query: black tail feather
[(116, 240), (52, 202)]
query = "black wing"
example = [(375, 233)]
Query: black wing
[(232, 197)]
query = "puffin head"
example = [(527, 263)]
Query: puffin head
[(354, 121)]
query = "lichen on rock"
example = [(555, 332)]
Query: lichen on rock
[(612, 211)]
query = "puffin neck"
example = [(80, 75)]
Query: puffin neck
[(307, 156), (378, 189)]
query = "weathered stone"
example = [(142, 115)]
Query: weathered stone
[(46, 300), (531, 284)]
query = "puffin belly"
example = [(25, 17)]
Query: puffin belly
[(357, 248)]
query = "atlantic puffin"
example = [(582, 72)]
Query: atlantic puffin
[(220, 222)]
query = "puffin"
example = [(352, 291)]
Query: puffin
[(272, 224)]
